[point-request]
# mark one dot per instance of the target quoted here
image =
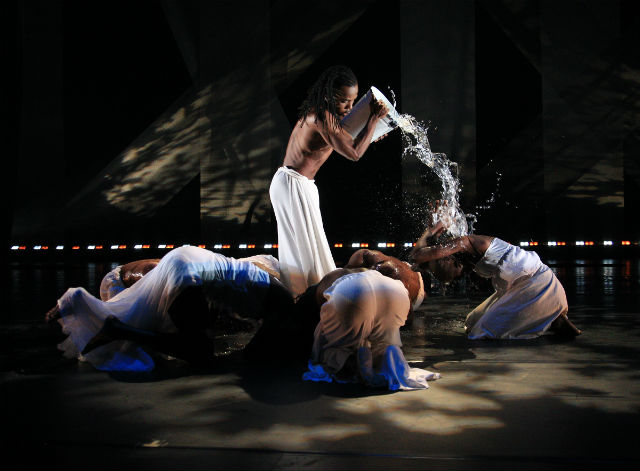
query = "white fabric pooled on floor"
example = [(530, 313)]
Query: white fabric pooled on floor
[(395, 373)]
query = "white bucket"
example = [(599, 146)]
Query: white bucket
[(357, 118)]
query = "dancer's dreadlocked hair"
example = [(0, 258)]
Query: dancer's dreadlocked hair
[(321, 96)]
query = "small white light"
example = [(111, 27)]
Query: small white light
[(91, 247), (15, 247), (608, 242), (217, 246), (37, 247), (551, 244), (355, 244), (242, 246), (524, 244), (382, 244), (59, 247), (268, 246), (114, 247), (137, 246), (408, 244), (579, 242), (162, 246)]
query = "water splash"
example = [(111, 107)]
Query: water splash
[(488, 203), (416, 143), (393, 97)]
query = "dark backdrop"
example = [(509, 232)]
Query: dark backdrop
[(162, 121)]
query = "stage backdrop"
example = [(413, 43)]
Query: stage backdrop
[(164, 121)]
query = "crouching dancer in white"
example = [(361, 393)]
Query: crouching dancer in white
[(528, 300), (303, 250), (170, 310), (357, 338)]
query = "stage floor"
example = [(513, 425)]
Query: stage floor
[(538, 404)]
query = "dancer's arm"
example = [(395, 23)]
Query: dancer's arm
[(429, 232), (341, 140), (435, 252), (432, 230)]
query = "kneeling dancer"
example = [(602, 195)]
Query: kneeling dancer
[(169, 310), (528, 299), (357, 338)]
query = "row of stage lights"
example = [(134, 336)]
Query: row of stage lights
[(578, 243)]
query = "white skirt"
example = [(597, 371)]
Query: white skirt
[(524, 311), (303, 250)]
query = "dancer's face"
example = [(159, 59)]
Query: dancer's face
[(345, 97)]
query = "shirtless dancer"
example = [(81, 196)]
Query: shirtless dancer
[(303, 250)]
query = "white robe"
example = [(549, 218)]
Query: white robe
[(303, 250), (528, 296), (362, 316), (227, 283)]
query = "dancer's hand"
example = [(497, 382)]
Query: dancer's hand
[(435, 209), (430, 231), (378, 109)]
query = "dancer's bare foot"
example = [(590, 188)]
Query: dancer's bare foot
[(52, 314), (563, 326), (103, 337)]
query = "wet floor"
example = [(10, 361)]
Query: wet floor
[(545, 403)]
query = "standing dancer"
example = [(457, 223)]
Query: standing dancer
[(303, 250)]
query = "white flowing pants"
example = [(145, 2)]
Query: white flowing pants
[(303, 250)]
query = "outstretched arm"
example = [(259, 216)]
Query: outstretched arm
[(427, 253), (341, 140)]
